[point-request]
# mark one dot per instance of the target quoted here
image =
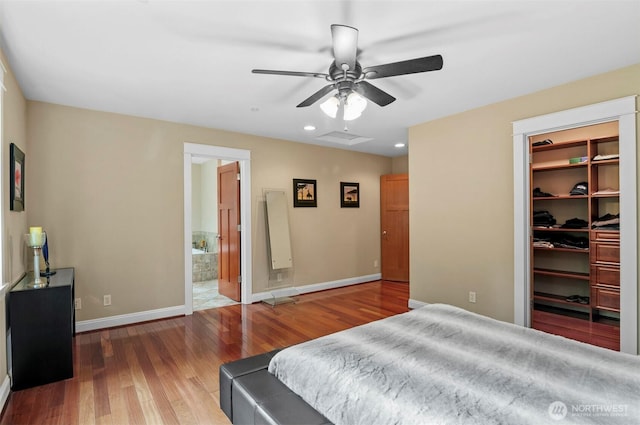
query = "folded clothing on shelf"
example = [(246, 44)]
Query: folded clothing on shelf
[(537, 193), (542, 142), (575, 223), (577, 299), (603, 157), (607, 191), (543, 218), (560, 241), (607, 221)]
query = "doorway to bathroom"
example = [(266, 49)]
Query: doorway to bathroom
[(211, 232), (207, 257)]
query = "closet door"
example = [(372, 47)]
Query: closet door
[(394, 220)]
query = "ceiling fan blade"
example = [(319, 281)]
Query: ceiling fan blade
[(411, 66), (316, 96), (373, 93), (345, 45), (291, 73)]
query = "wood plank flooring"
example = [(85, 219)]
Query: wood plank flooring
[(166, 371)]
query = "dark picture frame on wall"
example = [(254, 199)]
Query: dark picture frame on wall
[(349, 195), (16, 179), (305, 193)]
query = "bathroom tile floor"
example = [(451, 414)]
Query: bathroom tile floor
[(206, 296)]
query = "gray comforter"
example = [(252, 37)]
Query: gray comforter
[(443, 365)]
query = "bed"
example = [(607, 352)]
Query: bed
[(437, 364)]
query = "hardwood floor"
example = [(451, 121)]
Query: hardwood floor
[(166, 371)]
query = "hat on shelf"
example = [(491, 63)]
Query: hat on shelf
[(580, 188)]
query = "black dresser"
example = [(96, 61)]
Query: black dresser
[(42, 326)]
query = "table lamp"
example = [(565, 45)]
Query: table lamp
[(35, 239)]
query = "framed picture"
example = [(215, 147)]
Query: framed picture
[(16, 180), (305, 193), (349, 195)]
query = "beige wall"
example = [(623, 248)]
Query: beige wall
[(108, 189), (461, 191), (14, 223), (400, 164), (14, 131)]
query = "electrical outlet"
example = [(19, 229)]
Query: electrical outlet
[(77, 304), (279, 277), (375, 263), (472, 297), (107, 300)]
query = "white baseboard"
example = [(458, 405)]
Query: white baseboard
[(416, 304), (5, 389), (305, 289), (162, 313), (128, 319)]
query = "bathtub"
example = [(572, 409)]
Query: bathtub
[(204, 265)]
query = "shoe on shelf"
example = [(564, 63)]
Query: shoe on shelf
[(573, 298)]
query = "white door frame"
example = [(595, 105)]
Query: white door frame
[(230, 154), (622, 110)]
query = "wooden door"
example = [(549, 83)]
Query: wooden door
[(228, 230), (394, 221)]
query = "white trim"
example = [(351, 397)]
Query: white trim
[(188, 265), (218, 152), (413, 304), (230, 154), (5, 390), (246, 266), (129, 319), (622, 110), (3, 70), (164, 313), (628, 237), (522, 313), (317, 286)]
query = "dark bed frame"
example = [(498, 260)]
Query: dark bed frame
[(250, 395)]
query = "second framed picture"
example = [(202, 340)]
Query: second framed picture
[(304, 193), (349, 195)]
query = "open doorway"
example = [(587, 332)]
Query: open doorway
[(210, 253), (201, 225), (623, 111)]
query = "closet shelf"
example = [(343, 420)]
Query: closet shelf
[(581, 251), (561, 273), (557, 229)]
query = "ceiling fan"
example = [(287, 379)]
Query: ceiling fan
[(347, 76)]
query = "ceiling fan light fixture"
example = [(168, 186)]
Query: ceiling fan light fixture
[(330, 106), (353, 106)]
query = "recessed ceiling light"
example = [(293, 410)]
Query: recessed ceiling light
[(309, 127), (399, 145)]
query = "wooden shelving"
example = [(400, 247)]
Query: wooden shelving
[(554, 171), (580, 251), (561, 273)]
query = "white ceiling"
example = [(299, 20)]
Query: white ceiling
[(191, 61)]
